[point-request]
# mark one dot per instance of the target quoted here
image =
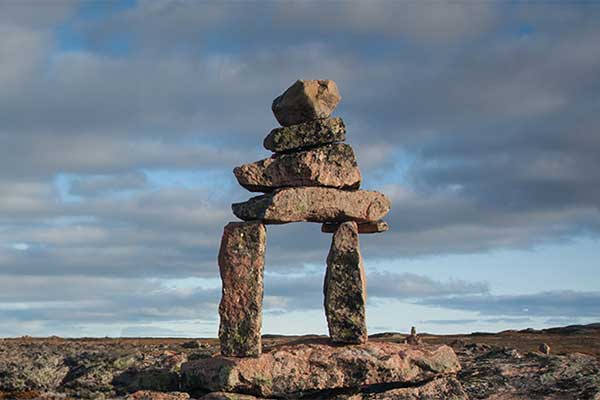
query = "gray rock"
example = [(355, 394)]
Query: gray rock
[(153, 395), (314, 204), (501, 373), (306, 100), (333, 165), (228, 396), (241, 263), (345, 288), (31, 369), (306, 135)]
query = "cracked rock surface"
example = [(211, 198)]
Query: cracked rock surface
[(305, 135), (55, 368), (314, 204), (333, 165)]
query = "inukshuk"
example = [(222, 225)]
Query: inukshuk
[(311, 177)]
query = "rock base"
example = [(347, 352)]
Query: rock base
[(320, 368), (444, 388)]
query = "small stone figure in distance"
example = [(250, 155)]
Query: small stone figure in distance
[(413, 338), (544, 349)]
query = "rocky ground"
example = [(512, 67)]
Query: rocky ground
[(494, 366)]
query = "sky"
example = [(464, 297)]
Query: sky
[(121, 122)]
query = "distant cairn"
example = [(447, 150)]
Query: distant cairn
[(311, 177), (413, 338), (544, 349)]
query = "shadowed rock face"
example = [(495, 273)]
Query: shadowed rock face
[(365, 227), (445, 388), (291, 370), (308, 134), (306, 100), (241, 263), (331, 166), (314, 204), (345, 287)]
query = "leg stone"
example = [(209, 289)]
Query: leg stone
[(241, 263), (345, 287)]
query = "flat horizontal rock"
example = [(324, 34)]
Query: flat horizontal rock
[(310, 367), (332, 165), (365, 227), (306, 100), (314, 204), (306, 135)]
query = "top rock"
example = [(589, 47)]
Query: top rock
[(306, 100)]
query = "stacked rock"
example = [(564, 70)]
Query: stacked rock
[(312, 176)]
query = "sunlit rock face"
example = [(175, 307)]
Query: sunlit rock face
[(241, 263), (306, 100)]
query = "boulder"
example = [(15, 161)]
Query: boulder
[(228, 396), (306, 135), (288, 371), (306, 100), (332, 165), (314, 204), (151, 395), (345, 288), (241, 264), (365, 227)]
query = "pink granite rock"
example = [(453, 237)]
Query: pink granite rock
[(333, 165), (314, 204), (290, 370), (306, 100), (241, 263)]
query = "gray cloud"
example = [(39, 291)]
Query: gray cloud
[(98, 185), (108, 300), (545, 304), (306, 291), (512, 321), (77, 300), (480, 121)]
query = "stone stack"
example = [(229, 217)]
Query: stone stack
[(312, 176)]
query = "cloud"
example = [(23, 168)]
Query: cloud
[(567, 303), (97, 185), (509, 321), (306, 291), (402, 286), (484, 137), (103, 300)]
